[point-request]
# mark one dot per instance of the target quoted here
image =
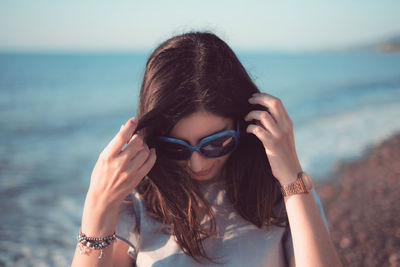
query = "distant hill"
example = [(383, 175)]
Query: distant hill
[(391, 45)]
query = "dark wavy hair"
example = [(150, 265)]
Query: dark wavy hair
[(187, 73)]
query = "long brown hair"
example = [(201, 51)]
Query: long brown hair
[(191, 72)]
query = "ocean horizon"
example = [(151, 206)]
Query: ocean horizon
[(59, 110)]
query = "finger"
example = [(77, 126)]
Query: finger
[(145, 165), (260, 132), (134, 145), (122, 137), (274, 104), (136, 174), (288, 123), (138, 159), (266, 120), (148, 164)]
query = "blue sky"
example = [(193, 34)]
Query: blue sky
[(140, 25)]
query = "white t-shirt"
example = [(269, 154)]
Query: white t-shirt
[(238, 242)]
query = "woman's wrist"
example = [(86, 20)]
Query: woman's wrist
[(289, 177), (99, 217)]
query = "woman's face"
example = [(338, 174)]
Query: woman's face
[(192, 129)]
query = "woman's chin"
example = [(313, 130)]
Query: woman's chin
[(205, 176), (202, 177), (211, 177)]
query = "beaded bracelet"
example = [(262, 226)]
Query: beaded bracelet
[(95, 243)]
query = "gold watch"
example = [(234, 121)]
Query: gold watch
[(302, 185)]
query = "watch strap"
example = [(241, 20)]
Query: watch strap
[(297, 187)]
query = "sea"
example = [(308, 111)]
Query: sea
[(59, 110)]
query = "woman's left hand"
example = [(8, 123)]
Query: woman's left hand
[(275, 131)]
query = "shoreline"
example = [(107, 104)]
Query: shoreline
[(361, 201)]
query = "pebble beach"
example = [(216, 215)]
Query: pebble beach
[(361, 201)]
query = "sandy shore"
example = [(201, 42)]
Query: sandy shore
[(362, 205)]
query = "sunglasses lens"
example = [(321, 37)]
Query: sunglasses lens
[(219, 146), (172, 150)]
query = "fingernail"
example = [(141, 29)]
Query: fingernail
[(134, 120)]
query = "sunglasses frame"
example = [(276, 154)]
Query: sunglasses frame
[(233, 133)]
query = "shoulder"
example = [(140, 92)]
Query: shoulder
[(130, 207), (129, 217), (320, 209)]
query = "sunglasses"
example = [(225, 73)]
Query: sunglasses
[(213, 146)]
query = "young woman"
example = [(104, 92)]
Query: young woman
[(206, 175)]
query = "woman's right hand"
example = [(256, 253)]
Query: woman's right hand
[(117, 172)]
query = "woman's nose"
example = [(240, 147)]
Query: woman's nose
[(196, 162)]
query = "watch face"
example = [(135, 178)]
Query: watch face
[(307, 181)]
